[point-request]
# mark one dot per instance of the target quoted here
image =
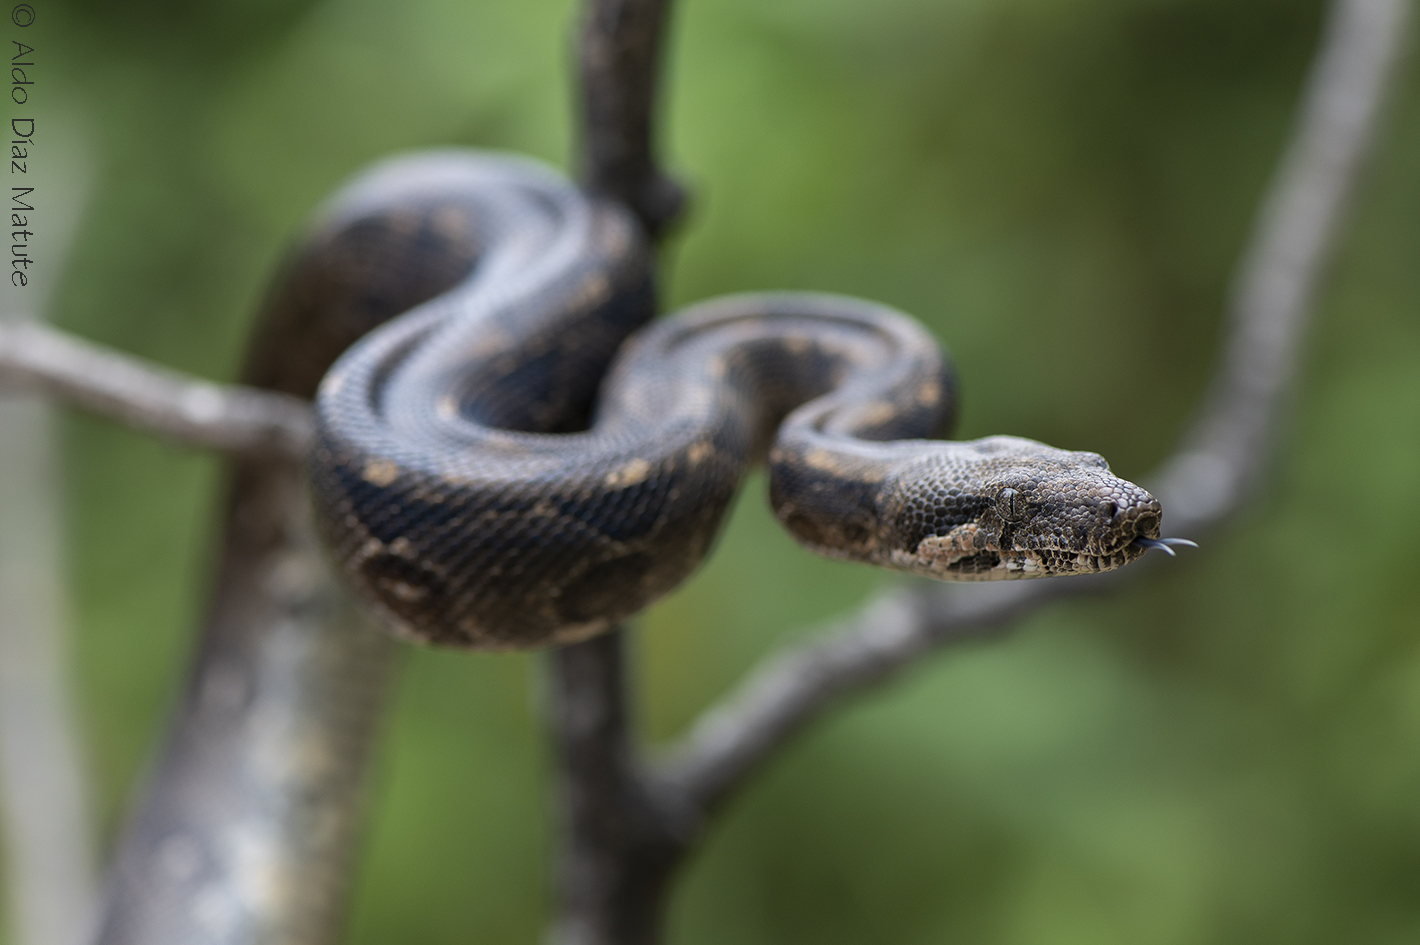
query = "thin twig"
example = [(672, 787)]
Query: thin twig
[(189, 410), (1292, 246)]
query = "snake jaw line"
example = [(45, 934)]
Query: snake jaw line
[(938, 553)]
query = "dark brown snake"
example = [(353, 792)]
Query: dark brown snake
[(507, 458)]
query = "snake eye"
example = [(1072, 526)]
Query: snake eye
[(1011, 504)]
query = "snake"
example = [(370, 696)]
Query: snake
[(512, 452)]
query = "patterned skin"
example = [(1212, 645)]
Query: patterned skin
[(499, 467)]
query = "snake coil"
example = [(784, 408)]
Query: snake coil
[(506, 458)]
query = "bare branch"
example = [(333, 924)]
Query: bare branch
[(620, 61), (189, 410), (1291, 248), (258, 791), (619, 850), (790, 689), (247, 827), (617, 846)]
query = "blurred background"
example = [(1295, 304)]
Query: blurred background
[(1227, 751)]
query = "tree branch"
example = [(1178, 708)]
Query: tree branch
[(188, 410), (246, 829), (1204, 482), (1292, 247), (286, 673), (619, 849), (619, 58)]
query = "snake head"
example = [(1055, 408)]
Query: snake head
[(1007, 507)]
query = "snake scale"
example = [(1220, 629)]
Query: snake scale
[(511, 453)]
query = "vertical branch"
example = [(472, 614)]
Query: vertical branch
[(619, 849), (619, 60)]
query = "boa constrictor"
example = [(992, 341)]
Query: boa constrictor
[(512, 454)]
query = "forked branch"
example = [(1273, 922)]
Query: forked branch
[(1291, 248)]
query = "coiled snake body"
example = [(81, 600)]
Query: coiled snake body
[(486, 481)]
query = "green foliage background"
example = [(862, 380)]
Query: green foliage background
[(1228, 751)]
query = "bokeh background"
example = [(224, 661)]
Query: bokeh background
[(1227, 751)]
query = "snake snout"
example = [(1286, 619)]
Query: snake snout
[(1129, 515)]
